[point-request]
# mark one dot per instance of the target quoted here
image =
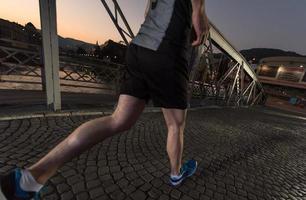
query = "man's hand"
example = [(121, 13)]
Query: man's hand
[(200, 22)]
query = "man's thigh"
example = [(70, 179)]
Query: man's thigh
[(128, 109), (166, 76)]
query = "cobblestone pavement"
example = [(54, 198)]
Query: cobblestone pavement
[(242, 154)]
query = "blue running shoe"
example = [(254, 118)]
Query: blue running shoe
[(187, 170), (11, 190)]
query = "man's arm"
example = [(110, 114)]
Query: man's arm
[(199, 20)]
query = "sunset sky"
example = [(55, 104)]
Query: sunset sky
[(247, 24)]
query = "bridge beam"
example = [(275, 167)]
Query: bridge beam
[(126, 31), (220, 40), (50, 53)]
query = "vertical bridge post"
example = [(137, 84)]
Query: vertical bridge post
[(50, 53)]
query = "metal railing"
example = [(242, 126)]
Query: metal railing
[(24, 67)]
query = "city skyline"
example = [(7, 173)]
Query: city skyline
[(246, 24)]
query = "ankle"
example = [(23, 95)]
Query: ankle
[(37, 176), (176, 172), (28, 182)]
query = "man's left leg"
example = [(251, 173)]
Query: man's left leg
[(176, 120)]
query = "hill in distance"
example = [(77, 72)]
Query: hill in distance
[(22, 33), (71, 43), (260, 53)]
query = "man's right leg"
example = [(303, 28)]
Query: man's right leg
[(88, 134), (84, 137)]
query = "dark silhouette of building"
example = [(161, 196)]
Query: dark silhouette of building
[(29, 35), (13, 31), (113, 51)]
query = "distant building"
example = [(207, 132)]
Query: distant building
[(15, 35), (283, 76), (113, 51), (12, 31)]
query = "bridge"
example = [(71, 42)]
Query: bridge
[(43, 76), (245, 151)]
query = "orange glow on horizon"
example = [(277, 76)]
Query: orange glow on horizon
[(64, 32), (77, 23)]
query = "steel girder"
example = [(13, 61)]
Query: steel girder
[(243, 69), (126, 31)]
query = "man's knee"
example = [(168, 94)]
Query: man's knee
[(120, 125), (176, 128)]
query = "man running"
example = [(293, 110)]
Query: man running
[(156, 69)]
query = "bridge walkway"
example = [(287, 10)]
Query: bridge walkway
[(254, 153)]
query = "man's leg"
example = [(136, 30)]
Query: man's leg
[(88, 134), (175, 120)]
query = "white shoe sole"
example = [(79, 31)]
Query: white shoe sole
[(176, 183)]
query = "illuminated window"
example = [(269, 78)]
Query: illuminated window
[(268, 71)]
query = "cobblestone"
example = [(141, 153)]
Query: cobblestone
[(250, 154)]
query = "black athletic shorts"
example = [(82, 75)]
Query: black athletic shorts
[(161, 75)]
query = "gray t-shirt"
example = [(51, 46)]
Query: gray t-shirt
[(167, 20)]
